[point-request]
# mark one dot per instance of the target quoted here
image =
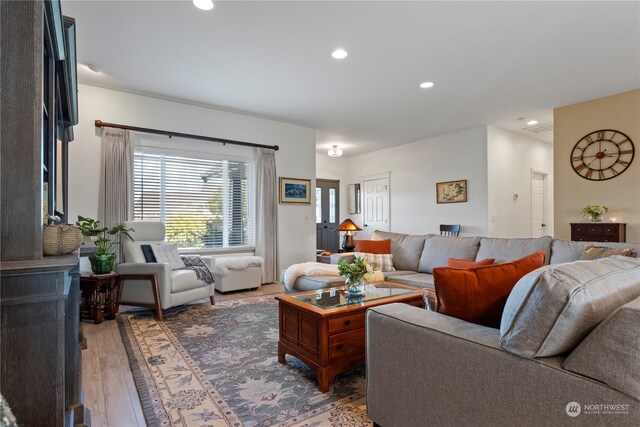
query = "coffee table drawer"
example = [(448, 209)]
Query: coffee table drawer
[(347, 323), (346, 345)]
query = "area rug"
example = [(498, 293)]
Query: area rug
[(217, 366)]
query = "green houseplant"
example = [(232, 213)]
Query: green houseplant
[(105, 239), (594, 212), (355, 274)]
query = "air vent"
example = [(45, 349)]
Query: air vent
[(541, 128)]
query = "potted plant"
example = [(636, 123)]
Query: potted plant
[(105, 239), (594, 212), (355, 275)]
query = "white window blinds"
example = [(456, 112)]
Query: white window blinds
[(204, 202)]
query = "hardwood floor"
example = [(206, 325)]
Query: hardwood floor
[(109, 390)]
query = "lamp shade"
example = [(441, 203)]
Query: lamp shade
[(348, 225)]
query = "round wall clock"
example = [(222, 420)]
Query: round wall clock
[(602, 155)]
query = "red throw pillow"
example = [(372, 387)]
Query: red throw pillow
[(478, 295), (464, 263), (373, 246)]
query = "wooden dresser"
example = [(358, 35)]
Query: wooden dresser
[(599, 232)]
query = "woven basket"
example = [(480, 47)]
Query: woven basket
[(60, 239)]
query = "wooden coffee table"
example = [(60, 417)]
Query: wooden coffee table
[(326, 330)]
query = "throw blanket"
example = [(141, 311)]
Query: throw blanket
[(195, 263), (224, 264), (292, 273)]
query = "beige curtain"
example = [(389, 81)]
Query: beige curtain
[(267, 213), (116, 178)]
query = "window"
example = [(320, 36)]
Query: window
[(204, 202), (318, 205)]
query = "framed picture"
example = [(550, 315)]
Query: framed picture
[(294, 190), (451, 191)]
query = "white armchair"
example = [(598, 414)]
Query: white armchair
[(155, 285)]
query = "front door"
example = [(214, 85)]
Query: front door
[(376, 206), (327, 214)]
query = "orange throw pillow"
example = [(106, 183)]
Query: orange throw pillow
[(373, 246), (478, 295), (464, 263)]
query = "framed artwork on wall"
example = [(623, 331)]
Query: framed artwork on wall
[(451, 191), (294, 190)]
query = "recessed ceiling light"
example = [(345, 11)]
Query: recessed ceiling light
[(532, 122), (203, 4), (335, 151), (95, 68), (339, 54), (426, 85)]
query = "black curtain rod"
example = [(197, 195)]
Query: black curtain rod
[(100, 123)]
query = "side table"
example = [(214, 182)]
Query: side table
[(99, 293)]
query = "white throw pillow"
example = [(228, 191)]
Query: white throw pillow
[(167, 253), (378, 261)]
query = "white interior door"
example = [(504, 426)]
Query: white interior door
[(538, 225), (376, 206)]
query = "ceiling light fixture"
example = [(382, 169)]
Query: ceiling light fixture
[(426, 85), (95, 68), (203, 4), (339, 54), (532, 122), (335, 151)]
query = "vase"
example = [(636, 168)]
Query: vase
[(102, 264), (597, 215), (354, 288)]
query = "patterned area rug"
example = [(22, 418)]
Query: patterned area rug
[(217, 366)]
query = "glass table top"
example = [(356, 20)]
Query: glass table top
[(333, 298)]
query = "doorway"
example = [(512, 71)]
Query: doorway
[(539, 204), (327, 214), (376, 206)]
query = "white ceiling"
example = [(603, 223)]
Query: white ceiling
[(492, 62)]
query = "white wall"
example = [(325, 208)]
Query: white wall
[(414, 170), (296, 157), (511, 157)]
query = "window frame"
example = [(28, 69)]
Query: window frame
[(152, 147)]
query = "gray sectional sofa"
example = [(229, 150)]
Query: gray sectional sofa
[(567, 351), (415, 256)]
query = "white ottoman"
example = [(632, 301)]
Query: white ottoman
[(238, 272)]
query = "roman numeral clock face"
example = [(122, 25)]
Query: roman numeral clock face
[(602, 155)]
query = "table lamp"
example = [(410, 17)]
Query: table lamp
[(348, 227)]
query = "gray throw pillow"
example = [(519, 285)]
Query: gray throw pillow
[(567, 251), (406, 248), (504, 250), (552, 309), (438, 250), (167, 253)]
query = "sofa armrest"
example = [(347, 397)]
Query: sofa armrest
[(162, 272), (611, 352), (428, 367), (336, 258)]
